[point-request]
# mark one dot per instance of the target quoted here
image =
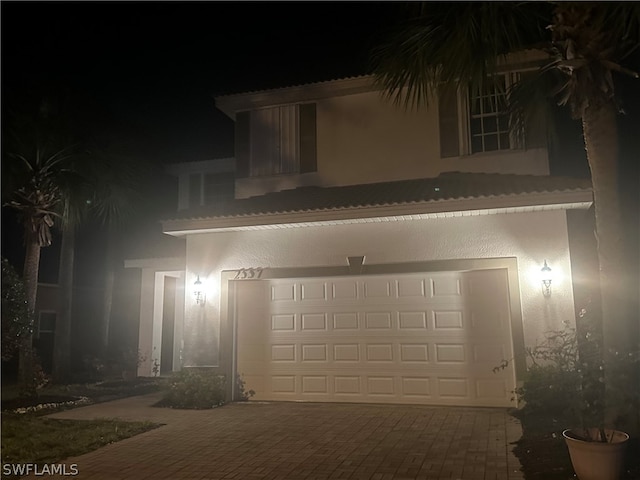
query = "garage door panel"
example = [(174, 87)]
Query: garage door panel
[(414, 352), (445, 287), (379, 352), (283, 291), (283, 384), (283, 353), (346, 352), (448, 320), (453, 388), (344, 290), (414, 338), (411, 288), (313, 322), (313, 291), (377, 320), (285, 322), (345, 321), (419, 387), (314, 352), (412, 320), (378, 289), (347, 385), (314, 384)]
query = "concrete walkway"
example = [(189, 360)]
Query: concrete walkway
[(304, 441)]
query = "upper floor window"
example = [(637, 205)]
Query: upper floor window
[(210, 188), (488, 117), (477, 120), (276, 140)]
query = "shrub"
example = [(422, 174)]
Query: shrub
[(553, 382), (242, 395), (195, 389), (565, 380)]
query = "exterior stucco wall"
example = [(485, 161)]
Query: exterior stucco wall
[(365, 138), (530, 237)]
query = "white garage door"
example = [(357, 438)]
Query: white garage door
[(430, 338)]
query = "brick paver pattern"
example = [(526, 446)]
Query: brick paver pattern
[(304, 441)]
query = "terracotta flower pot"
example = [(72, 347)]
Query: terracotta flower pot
[(593, 460)]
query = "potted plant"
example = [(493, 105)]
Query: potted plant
[(596, 453), (564, 381)]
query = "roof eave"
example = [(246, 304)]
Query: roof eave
[(501, 204), (231, 104)]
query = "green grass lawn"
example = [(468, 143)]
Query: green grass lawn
[(30, 438)]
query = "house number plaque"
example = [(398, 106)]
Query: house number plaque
[(248, 273)]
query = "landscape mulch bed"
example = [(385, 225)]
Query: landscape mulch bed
[(96, 393)]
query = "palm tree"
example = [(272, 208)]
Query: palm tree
[(33, 173), (119, 184), (448, 45), (76, 199), (107, 188)]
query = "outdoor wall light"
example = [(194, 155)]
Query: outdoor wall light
[(197, 291), (546, 280)]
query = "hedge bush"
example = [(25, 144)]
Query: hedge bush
[(195, 389)]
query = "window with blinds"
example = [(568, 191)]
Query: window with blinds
[(276, 141)]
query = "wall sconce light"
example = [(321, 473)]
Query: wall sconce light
[(197, 291), (546, 278)]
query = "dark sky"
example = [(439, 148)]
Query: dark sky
[(145, 73), (152, 68)]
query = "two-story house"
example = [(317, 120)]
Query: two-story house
[(367, 253)]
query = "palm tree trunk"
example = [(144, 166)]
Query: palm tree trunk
[(30, 276), (620, 331), (107, 298), (62, 339)]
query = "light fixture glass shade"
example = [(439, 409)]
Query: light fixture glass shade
[(197, 290), (546, 278)]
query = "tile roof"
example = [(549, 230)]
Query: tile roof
[(447, 186), (295, 85)]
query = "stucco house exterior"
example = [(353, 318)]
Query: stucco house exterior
[(356, 251)]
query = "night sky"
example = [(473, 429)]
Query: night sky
[(145, 73), (152, 68)]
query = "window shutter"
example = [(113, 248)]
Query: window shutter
[(535, 127), (264, 126), (194, 190), (242, 150), (289, 148), (308, 155), (448, 123)]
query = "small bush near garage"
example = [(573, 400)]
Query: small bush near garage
[(194, 389)]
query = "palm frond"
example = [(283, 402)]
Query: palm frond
[(453, 43)]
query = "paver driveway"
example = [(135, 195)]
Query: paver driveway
[(304, 441)]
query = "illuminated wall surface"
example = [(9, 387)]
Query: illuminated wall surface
[(530, 237)]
